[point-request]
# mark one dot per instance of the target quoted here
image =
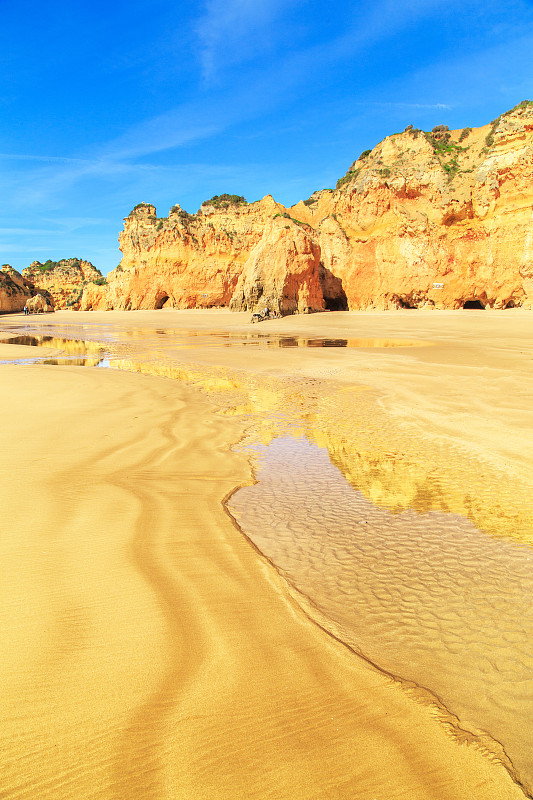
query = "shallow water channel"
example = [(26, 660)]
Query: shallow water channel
[(418, 587), (198, 338)]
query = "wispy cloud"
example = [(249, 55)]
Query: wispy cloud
[(399, 104), (233, 31), (184, 125), (505, 66), (27, 231), (51, 227), (45, 159), (229, 32)]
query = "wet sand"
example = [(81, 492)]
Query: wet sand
[(428, 596), (149, 650)]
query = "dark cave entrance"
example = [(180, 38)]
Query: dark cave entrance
[(161, 300), (474, 304), (404, 303), (339, 303), (334, 295)]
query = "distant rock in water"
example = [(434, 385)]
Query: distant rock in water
[(438, 219), (64, 280)]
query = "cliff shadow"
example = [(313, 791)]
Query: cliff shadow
[(334, 295)]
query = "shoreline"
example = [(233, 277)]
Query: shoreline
[(341, 664)]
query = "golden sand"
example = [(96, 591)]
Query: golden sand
[(148, 650)]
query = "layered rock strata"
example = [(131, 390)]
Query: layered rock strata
[(424, 220), (65, 280)]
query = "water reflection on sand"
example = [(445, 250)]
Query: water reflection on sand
[(73, 352), (205, 338), (416, 556), (426, 596)]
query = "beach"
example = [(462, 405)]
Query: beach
[(154, 645)]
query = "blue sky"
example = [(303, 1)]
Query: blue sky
[(104, 105)]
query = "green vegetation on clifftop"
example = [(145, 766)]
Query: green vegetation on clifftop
[(226, 200)]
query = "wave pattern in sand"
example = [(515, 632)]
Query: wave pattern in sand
[(427, 596)]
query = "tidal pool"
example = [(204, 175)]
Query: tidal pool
[(425, 596), (74, 352)]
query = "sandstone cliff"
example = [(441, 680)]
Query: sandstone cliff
[(424, 220), (64, 280), (13, 291), (450, 208), (16, 291)]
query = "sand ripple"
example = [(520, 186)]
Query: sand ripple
[(428, 596)]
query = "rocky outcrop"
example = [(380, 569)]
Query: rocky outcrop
[(39, 305), (14, 293), (183, 260), (64, 280), (282, 272), (424, 220)]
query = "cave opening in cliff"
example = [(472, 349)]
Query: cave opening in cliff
[(474, 304), (334, 295), (339, 303), (406, 303), (161, 301)]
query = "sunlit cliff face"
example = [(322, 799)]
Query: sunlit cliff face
[(13, 293), (64, 280), (437, 220)]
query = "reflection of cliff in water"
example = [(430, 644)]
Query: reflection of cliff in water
[(393, 470), (400, 481), (68, 346), (71, 352), (390, 480)]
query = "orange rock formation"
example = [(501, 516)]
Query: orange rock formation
[(64, 280), (39, 305), (424, 220), (13, 292), (16, 291)]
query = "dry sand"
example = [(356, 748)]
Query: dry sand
[(148, 650)]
